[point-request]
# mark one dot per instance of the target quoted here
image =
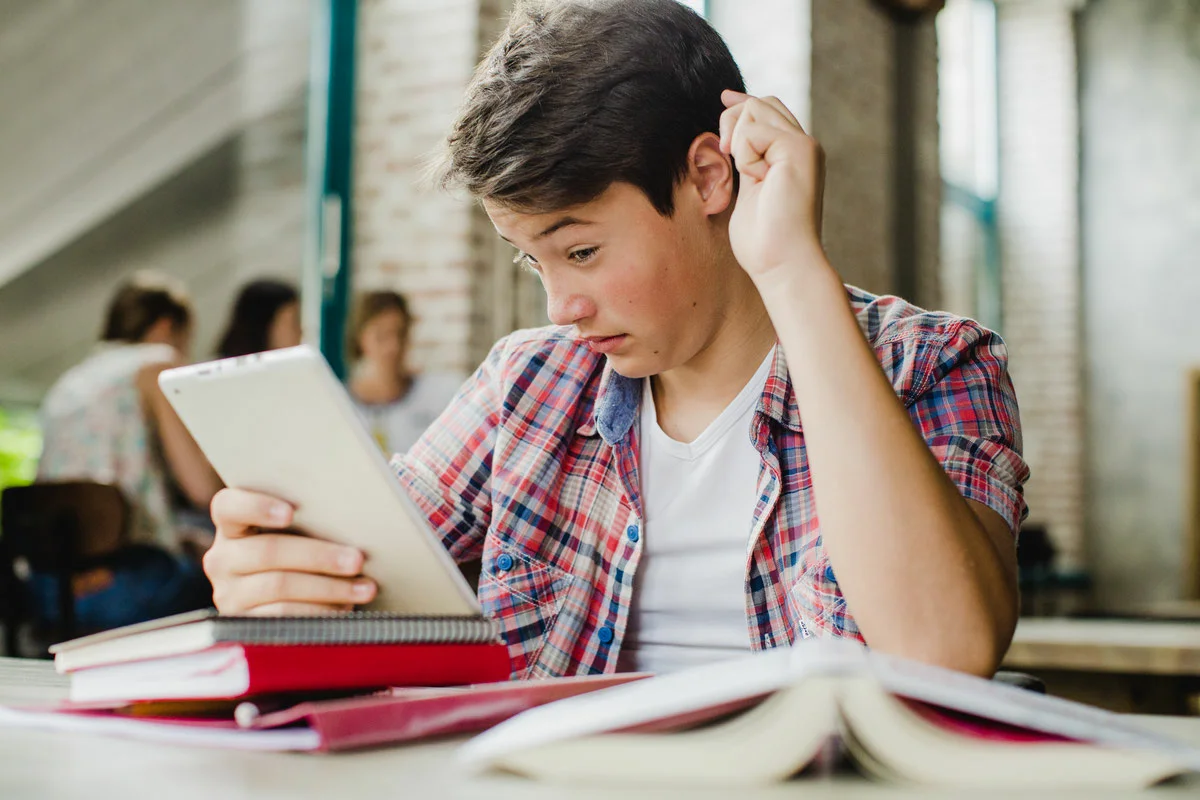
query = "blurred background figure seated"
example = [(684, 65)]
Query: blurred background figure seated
[(396, 403), (106, 421), (265, 316), (63, 546)]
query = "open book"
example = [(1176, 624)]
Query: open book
[(766, 717)]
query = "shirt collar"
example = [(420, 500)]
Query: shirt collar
[(619, 399)]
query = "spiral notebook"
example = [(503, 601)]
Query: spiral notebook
[(199, 630), (206, 655)]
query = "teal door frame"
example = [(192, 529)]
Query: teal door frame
[(329, 178)]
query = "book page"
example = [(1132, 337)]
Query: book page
[(198, 734), (1022, 708)]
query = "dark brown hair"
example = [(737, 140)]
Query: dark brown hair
[(142, 300), (579, 94), (253, 312), (370, 305)]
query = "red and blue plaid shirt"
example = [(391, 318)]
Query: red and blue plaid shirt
[(534, 469)]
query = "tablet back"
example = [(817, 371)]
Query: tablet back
[(281, 423)]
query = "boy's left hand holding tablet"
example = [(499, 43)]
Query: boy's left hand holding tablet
[(258, 568)]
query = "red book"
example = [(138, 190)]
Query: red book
[(406, 715), (245, 670)]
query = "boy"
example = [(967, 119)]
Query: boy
[(719, 447)]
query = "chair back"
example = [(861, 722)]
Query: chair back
[(57, 529)]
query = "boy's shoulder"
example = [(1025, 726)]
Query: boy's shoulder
[(549, 351), (887, 320), (918, 349)]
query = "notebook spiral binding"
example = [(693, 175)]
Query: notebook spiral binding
[(360, 627)]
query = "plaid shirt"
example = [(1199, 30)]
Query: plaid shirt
[(534, 469)]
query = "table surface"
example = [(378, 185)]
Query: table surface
[(52, 765), (1107, 645)]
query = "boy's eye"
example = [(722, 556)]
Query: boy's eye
[(526, 261), (583, 254)]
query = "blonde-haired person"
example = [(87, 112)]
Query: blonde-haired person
[(106, 420), (396, 403)]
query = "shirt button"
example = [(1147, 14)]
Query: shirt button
[(632, 533), (605, 634), (504, 562), (829, 576)]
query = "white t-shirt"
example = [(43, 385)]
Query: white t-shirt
[(398, 425), (689, 594)]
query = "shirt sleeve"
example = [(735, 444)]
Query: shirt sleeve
[(966, 409), (448, 472)]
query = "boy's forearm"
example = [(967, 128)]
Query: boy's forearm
[(920, 574)]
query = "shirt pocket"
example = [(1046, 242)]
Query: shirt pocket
[(523, 595)]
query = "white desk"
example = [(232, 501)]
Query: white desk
[(1126, 665), (35, 764), (1107, 645)]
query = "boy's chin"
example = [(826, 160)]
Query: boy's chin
[(632, 366)]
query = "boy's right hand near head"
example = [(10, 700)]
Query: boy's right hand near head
[(256, 568)]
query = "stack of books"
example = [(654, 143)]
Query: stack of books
[(323, 683), (205, 656)]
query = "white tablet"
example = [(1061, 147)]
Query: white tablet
[(281, 423)]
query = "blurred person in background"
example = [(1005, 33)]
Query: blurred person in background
[(396, 403), (106, 420), (266, 316)]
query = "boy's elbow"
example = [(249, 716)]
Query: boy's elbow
[(977, 650)]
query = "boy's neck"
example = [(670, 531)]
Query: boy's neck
[(689, 397)]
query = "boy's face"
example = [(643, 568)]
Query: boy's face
[(644, 289)]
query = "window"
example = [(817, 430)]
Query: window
[(967, 116)]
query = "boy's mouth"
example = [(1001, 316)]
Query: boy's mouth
[(605, 344)]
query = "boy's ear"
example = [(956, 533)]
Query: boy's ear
[(711, 173)]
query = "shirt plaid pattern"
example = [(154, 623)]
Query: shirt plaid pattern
[(534, 469)]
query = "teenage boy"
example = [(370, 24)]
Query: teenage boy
[(718, 447)]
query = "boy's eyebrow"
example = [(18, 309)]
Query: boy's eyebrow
[(554, 227)]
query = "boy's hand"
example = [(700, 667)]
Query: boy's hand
[(776, 223), (277, 573)]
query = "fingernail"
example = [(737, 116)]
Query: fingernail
[(348, 560), (363, 590), (280, 513)]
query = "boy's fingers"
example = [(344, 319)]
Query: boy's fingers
[(267, 589), (297, 610), (729, 120), (784, 112), (236, 510), (731, 97), (750, 144), (265, 552), (774, 114)]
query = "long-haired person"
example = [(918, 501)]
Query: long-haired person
[(265, 316)]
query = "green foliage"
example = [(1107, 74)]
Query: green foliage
[(20, 446)]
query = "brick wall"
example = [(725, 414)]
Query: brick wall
[(1039, 222), (414, 59)]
